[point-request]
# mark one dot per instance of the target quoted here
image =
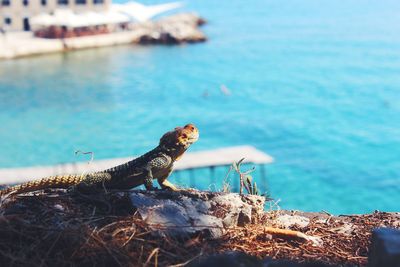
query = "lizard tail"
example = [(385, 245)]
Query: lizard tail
[(59, 181)]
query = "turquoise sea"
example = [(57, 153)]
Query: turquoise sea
[(315, 84)]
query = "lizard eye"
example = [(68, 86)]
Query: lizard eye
[(184, 135), (190, 126)]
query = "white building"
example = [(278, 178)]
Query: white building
[(18, 15), (15, 14)]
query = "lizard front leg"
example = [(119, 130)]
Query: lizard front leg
[(156, 164), (165, 184), (148, 179)]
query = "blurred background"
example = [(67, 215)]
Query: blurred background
[(314, 84)]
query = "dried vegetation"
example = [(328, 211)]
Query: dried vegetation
[(58, 229)]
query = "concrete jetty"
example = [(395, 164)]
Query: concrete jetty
[(191, 160), (179, 28)]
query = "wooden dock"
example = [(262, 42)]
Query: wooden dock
[(191, 160)]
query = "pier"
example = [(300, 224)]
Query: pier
[(190, 161), (178, 28)]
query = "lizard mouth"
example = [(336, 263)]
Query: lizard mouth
[(192, 140), (193, 137)]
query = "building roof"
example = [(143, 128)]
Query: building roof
[(118, 13), (140, 12)]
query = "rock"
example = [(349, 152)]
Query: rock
[(287, 221), (244, 216), (237, 210), (346, 229), (180, 28), (288, 263), (385, 248), (189, 212), (228, 259), (241, 259)]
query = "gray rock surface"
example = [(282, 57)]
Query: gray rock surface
[(286, 221), (190, 212), (240, 259), (385, 248)]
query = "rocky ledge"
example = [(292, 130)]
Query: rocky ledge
[(175, 29), (190, 227)]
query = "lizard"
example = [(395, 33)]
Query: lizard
[(155, 164)]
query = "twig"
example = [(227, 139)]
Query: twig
[(129, 239), (292, 234), (186, 262), (154, 252)]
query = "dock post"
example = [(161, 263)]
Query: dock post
[(212, 176), (177, 175), (191, 178), (263, 177)]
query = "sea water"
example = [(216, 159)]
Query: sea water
[(314, 84)]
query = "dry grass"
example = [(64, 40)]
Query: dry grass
[(338, 247), (103, 230)]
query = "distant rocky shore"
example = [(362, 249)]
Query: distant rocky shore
[(174, 29), (181, 28), (190, 227)]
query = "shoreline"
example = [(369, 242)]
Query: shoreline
[(174, 29)]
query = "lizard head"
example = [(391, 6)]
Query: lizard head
[(181, 136)]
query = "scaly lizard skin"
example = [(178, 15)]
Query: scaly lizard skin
[(155, 164)]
